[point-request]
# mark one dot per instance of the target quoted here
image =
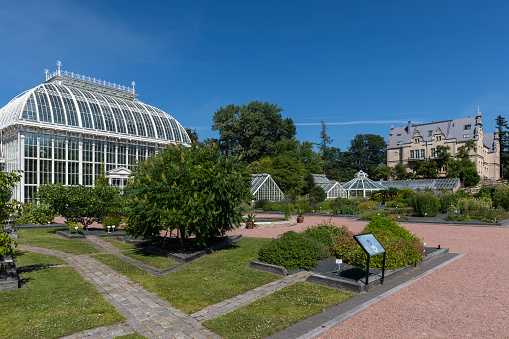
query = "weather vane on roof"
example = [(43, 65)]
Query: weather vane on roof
[(46, 71), (59, 63), (133, 83)]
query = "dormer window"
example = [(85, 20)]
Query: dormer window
[(439, 137), (466, 135), (468, 126), (430, 133), (416, 140)]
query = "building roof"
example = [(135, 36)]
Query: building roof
[(76, 104), (451, 129), (421, 184), (362, 182)]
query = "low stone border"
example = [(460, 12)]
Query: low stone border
[(99, 233), (185, 258), (271, 224), (9, 279), (345, 284)]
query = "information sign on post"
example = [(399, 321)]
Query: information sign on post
[(371, 246)]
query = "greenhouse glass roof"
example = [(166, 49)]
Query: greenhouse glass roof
[(263, 187), (332, 188), (421, 184), (80, 103), (362, 182)]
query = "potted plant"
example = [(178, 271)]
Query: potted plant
[(250, 221), (300, 211)]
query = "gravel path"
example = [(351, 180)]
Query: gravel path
[(466, 299)]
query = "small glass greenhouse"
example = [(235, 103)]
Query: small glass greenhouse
[(333, 189), (263, 187), (361, 184)]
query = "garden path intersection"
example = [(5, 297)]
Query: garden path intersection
[(435, 303)]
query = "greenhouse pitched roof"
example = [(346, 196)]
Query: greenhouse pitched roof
[(362, 182), (421, 184)]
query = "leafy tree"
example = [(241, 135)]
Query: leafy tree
[(426, 169), (442, 156), (367, 151), (193, 135), (469, 176), (383, 172), (503, 137), (303, 152), (82, 204), (8, 181), (399, 172), (251, 130), (196, 190)]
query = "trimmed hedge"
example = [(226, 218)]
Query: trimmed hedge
[(426, 205)]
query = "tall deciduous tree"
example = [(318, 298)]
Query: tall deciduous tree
[(196, 190), (503, 127), (367, 152), (251, 130)]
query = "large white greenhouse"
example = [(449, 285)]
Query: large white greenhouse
[(73, 128), (361, 184)]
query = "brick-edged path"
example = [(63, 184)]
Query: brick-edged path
[(230, 305)]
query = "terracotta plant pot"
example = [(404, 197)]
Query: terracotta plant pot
[(300, 219), (249, 225)]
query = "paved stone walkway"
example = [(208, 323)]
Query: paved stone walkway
[(146, 313), (230, 305)]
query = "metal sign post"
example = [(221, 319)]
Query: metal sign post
[(371, 246)]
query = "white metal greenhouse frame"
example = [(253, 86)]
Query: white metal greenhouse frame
[(332, 188), (263, 187)]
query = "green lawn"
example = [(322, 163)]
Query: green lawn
[(121, 245), (53, 302), (150, 259), (277, 311), (206, 281), (46, 237)]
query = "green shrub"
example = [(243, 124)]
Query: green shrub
[(293, 250), (395, 204), (261, 203), (406, 193), (447, 200), (111, 221), (272, 206), (370, 214), (339, 202), (36, 214), (367, 205), (71, 225), (501, 197), (402, 247), (323, 206), (345, 209), (317, 193), (327, 234), (426, 204)]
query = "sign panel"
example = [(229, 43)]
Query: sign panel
[(370, 244)]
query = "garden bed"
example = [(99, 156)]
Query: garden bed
[(170, 248), (350, 278), (94, 231)]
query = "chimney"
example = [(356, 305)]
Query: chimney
[(409, 125)]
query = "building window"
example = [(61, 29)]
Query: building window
[(468, 126), (416, 141), (411, 154), (432, 152), (423, 154), (416, 154), (396, 153), (466, 135), (430, 133), (400, 142), (439, 137)]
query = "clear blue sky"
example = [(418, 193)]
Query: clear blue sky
[(360, 66)]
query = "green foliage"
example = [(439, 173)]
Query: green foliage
[(261, 203), (426, 204), (327, 234), (367, 151), (367, 214), (272, 206), (367, 205), (449, 199), (8, 181), (406, 193), (71, 225), (501, 197), (197, 190), (35, 214), (251, 130), (395, 204), (345, 209), (317, 193), (469, 176), (323, 206), (293, 250), (382, 172), (426, 169), (111, 221), (400, 172), (82, 204), (403, 248), (6, 243), (287, 210)]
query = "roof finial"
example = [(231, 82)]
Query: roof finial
[(59, 63), (133, 83), (46, 71)]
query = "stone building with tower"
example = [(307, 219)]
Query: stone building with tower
[(413, 143), (71, 129)]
